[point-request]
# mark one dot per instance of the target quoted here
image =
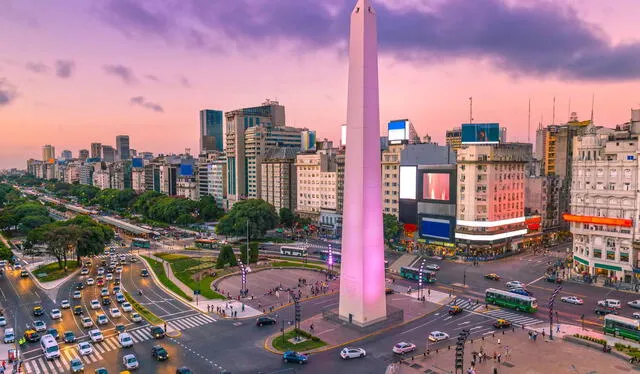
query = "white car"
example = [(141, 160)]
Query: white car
[(437, 336), (9, 336), (610, 303), (65, 304), (109, 277), (104, 292), (102, 319), (100, 271), (77, 295), (634, 304), (125, 340), (3, 321), (39, 325), (130, 362), (135, 317), (84, 271), (95, 304), (119, 269), (572, 300), (636, 315), (115, 312), (55, 314), (90, 282), (347, 353), (96, 335), (515, 284), (127, 307), (402, 348), (433, 267), (87, 322), (85, 348)]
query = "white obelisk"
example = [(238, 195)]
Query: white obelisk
[(362, 296)]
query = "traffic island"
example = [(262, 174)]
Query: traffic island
[(297, 340)]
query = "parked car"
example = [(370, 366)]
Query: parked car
[(572, 300), (347, 353), (261, 321), (295, 357)]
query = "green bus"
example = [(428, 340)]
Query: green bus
[(206, 244), (140, 243), (622, 327), (414, 274), (511, 300)]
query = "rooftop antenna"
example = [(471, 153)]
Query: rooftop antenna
[(529, 124), (553, 117), (470, 109), (593, 99), (569, 112)]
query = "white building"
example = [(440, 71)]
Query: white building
[(317, 184), (187, 187), (137, 179), (391, 179), (279, 178), (101, 176)]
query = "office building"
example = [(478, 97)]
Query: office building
[(101, 175), (108, 153), (308, 140), (391, 178), (317, 181), (122, 147), (66, 155), (187, 180), (48, 153), (453, 138), (83, 154), (279, 179), (211, 126), (138, 179), (212, 177), (96, 150), (86, 174), (72, 173)]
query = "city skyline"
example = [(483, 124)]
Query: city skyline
[(163, 74)]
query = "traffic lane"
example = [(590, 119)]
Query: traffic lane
[(25, 296)]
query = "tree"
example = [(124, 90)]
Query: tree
[(60, 239), (253, 252), (226, 257), (287, 219), (391, 227), (260, 215), (208, 210), (92, 237)]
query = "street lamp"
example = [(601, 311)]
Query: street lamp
[(464, 277), (420, 279), (330, 262)]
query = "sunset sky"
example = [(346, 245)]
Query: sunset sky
[(74, 72)]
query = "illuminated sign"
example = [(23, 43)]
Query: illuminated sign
[(509, 221), (480, 133), (408, 182), (343, 135), (435, 228), (398, 131), (488, 238), (435, 186), (598, 220)]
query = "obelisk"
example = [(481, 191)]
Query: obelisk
[(362, 296)]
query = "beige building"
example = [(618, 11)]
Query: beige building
[(279, 178), (48, 153), (187, 187), (391, 179), (317, 183)]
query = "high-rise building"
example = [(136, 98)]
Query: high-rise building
[(212, 177), (86, 174), (122, 147), (317, 181), (102, 175), (308, 138), (83, 154), (279, 179), (391, 178), (48, 153), (138, 179), (490, 208), (72, 172), (66, 155), (96, 150), (453, 138), (108, 153), (211, 125)]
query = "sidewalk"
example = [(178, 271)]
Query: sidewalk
[(404, 260)]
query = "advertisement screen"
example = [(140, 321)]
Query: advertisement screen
[(408, 182), (435, 186), (137, 162), (480, 133), (398, 130), (435, 228), (186, 170)]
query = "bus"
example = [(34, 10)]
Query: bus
[(140, 243), (293, 251), (337, 257), (622, 327), (511, 300), (206, 244), (413, 274)]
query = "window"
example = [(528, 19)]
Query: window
[(597, 253)]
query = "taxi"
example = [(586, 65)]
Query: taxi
[(38, 311), (492, 276), (501, 323), (455, 310), (31, 335)]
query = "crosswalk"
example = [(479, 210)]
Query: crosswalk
[(39, 365), (513, 317), (467, 304)]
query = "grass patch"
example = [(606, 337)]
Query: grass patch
[(275, 240), (283, 345), (158, 269), (144, 312), (296, 264), (51, 272), (189, 270)]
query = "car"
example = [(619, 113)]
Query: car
[(634, 304), (104, 292), (433, 267), (116, 290), (86, 321), (157, 332), (106, 300), (295, 357), (455, 309), (130, 362), (521, 291), (135, 317), (24, 273), (604, 311), (144, 273), (572, 300), (79, 286), (120, 297), (3, 321), (388, 291), (17, 266), (65, 304), (109, 277), (125, 340), (184, 370), (77, 295), (100, 271), (69, 337), (77, 310), (554, 279), (437, 336), (515, 284), (100, 282), (101, 371), (159, 353), (126, 307), (90, 282), (347, 353), (38, 311), (120, 328), (84, 271), (55, 314), (636, 315), (101, 319), (115, 313), (31, 335), (133, 259), (9, 336), (96, 336), (85, 348), (403, 347), (53, 332), (610, 303), (76, 365), (119, 269), (492, 276), (103, 263), (95, 304), (501, 323), (261, 321), (39, 325)]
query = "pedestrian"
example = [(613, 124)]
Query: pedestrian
[(543, 333), (530, 335), (558, 328), (208, 309), (495, 355), (499, 356), (165, 326), (311, 328), (495, 370)]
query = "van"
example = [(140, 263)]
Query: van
[(610, 303), (3, 263), (9, 336), (49, 347)]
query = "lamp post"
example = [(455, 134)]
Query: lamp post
[(464, 277), (330, 262), (420, 280)]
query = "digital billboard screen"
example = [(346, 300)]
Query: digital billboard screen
[(435, 228), (408, 179), (480, 133), (436, 186), (398, 131), (137, 162), (186, 170)]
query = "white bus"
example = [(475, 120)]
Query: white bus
[(293, 251)]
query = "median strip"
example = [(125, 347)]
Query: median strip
[(158, 269), (144, 312)]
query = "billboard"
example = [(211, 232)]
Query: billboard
[(408, 182), (137, 162), (436, 186), (186, 170), (480, 133), (398, 131), (439, 228), (343, 135)]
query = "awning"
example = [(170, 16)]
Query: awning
[(607, 267), (583, 262)]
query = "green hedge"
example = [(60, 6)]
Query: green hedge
[(591, 339), (629, 350), (158, 269), (144, 312), (283, 345), (296, 264)]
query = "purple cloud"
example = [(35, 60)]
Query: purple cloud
[(185, 82), (37, 67), (8, 92), (65, 68), (152, 77), (122, 72), (141, 101), (536, 39)]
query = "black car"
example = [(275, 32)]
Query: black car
[(157, 332), (604, 311), (24, 274), (144, 273), (116, 282), (106, 300), (103, 263), (69, 337), (159, 353), (77, 310), (79, 286), (184, 370), (261, 321)]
